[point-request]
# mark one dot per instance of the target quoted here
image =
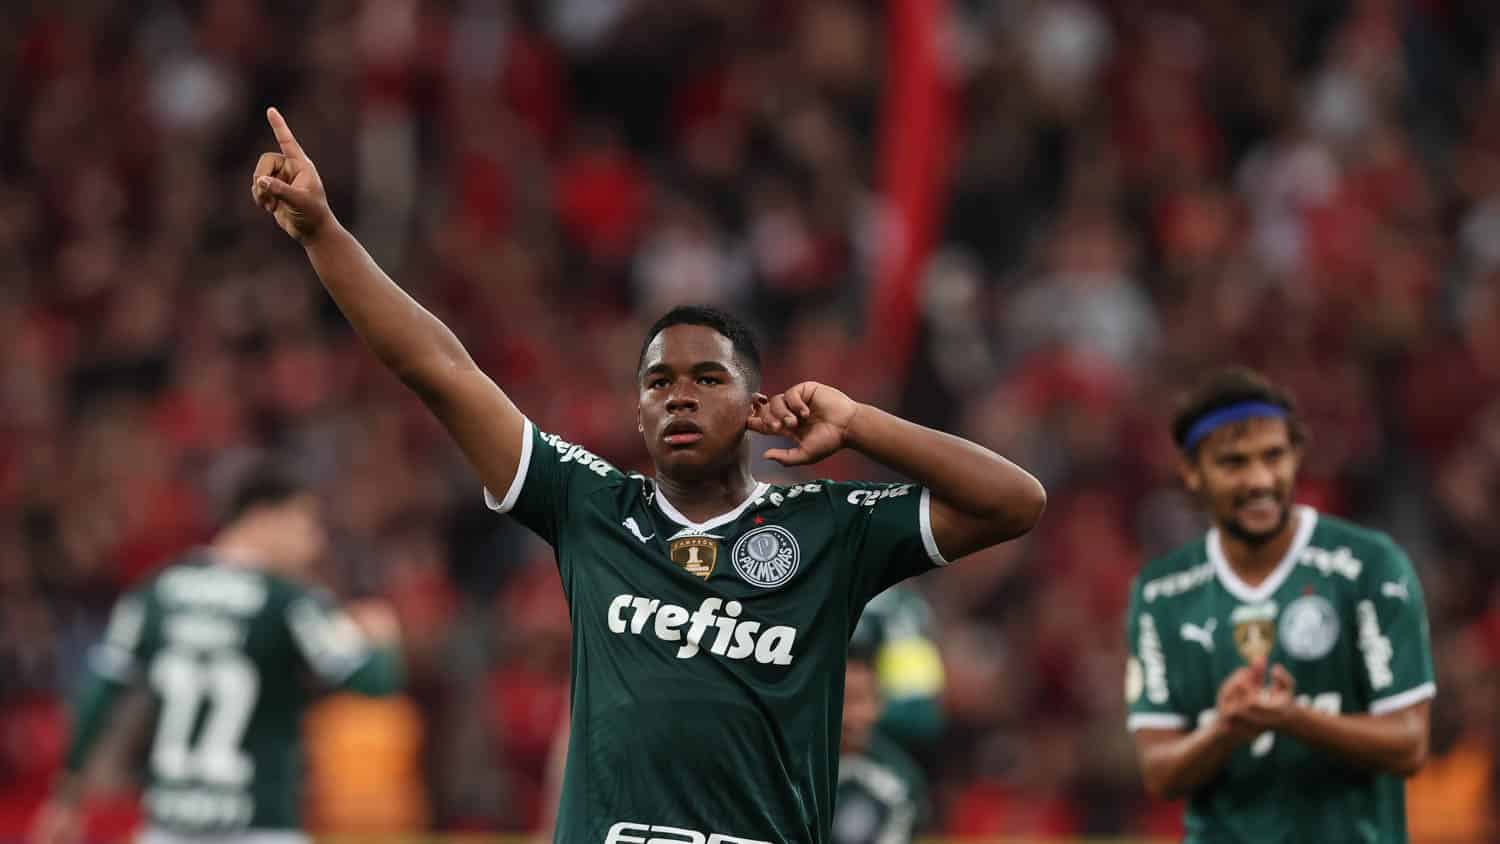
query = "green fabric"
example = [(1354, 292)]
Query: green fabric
[(882, 796), (380, 676), (1344, 614), (708, 660), (232, 657), (91, 707), (896, 630)]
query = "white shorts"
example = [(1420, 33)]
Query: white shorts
[(157, 835)]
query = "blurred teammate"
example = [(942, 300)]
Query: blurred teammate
[(881, 793), (896, 632), (711, 613), (231, 650), (1280, 671)]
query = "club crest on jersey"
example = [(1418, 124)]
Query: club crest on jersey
[(1309, 627), (1255, 630), (766, 556), (695, 554)]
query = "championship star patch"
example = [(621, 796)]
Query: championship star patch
[(766, 556), (1255, 630), (695, 554)]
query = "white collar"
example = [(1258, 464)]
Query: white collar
[(1307, 519), (723, 518)]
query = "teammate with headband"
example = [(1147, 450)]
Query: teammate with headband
[(1280, 672)]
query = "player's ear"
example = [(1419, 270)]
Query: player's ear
[(1187, 470), (1297, 453)]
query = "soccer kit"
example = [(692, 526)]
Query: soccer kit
[(882, 796), (708, 658), (897, 628), (1343, 613), (231, 658)]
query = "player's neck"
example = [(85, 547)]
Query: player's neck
[(701, 499), (1253, 562), (236, 546)]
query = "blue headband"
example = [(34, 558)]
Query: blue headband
[(1233, 413)]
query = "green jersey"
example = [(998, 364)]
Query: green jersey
[(708, 657), (231, 658), (1343, 612), (882, 796)]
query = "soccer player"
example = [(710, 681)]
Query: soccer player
[(231, 650), (881, 794), (1280, 671), (896, 630), (710, 612)]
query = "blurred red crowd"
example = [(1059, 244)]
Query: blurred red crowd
[(1140, 191)]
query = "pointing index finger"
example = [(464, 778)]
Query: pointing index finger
[(284, 138)]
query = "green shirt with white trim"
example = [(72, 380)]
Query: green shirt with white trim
[(231, 658), (708, 657), (1343, 612)]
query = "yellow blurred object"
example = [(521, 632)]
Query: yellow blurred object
[(364, 775), (1449, 800), (909, 667)]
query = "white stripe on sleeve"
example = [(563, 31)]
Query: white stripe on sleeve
[(505, 504)]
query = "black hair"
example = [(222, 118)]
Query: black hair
[(1228, 387), (862, 651), (268, 484), (739, 334)]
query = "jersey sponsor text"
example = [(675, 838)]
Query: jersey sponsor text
[(733, 637)]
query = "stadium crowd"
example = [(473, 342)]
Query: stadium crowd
[(1138, 191)]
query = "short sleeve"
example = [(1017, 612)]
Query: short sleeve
[(552, 475), (1392, 635), (328, 641), (887, 529), (119, 656), (1149, 703)]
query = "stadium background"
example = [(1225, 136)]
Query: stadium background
[(1029, 221)]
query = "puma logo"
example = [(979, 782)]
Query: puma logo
[(1202, 635), (636, 529)]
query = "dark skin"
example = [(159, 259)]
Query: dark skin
[(978, 497), (1244, 475)]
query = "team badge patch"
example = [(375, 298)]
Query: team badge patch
[(1255, 630), (695, 554), (766, 556), (1309, 627)]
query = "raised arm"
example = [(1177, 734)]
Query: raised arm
[(407, 338), (979, 498)]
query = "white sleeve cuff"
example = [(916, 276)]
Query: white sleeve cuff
[(1404, 699), (924, 519), (504, 505), (1155, 721)]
